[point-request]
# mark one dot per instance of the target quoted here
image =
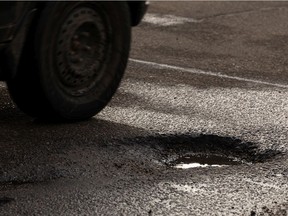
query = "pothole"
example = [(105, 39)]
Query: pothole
[(203, 160), (199, 150)]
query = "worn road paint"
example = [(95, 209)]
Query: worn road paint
[(167, 20), (207, 73)]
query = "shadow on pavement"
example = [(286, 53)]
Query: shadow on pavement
[(35, 152), (5, 200)]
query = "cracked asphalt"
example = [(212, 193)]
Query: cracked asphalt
[(204, 78)]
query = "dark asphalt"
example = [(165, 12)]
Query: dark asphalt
[(214, 83)]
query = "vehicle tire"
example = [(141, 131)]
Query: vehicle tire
[(73, 61)]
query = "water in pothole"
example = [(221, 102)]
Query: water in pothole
[(201, 160)]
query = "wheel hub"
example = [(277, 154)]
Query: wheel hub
[(81, 50)]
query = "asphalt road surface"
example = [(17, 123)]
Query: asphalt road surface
[(206, 89)]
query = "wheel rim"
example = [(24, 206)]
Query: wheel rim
[(81, 50)]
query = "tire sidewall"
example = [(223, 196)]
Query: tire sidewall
[(66, 105)]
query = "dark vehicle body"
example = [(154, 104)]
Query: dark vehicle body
[(30, 37)]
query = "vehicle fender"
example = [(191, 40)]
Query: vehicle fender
[(11, 54), (137, 11)]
